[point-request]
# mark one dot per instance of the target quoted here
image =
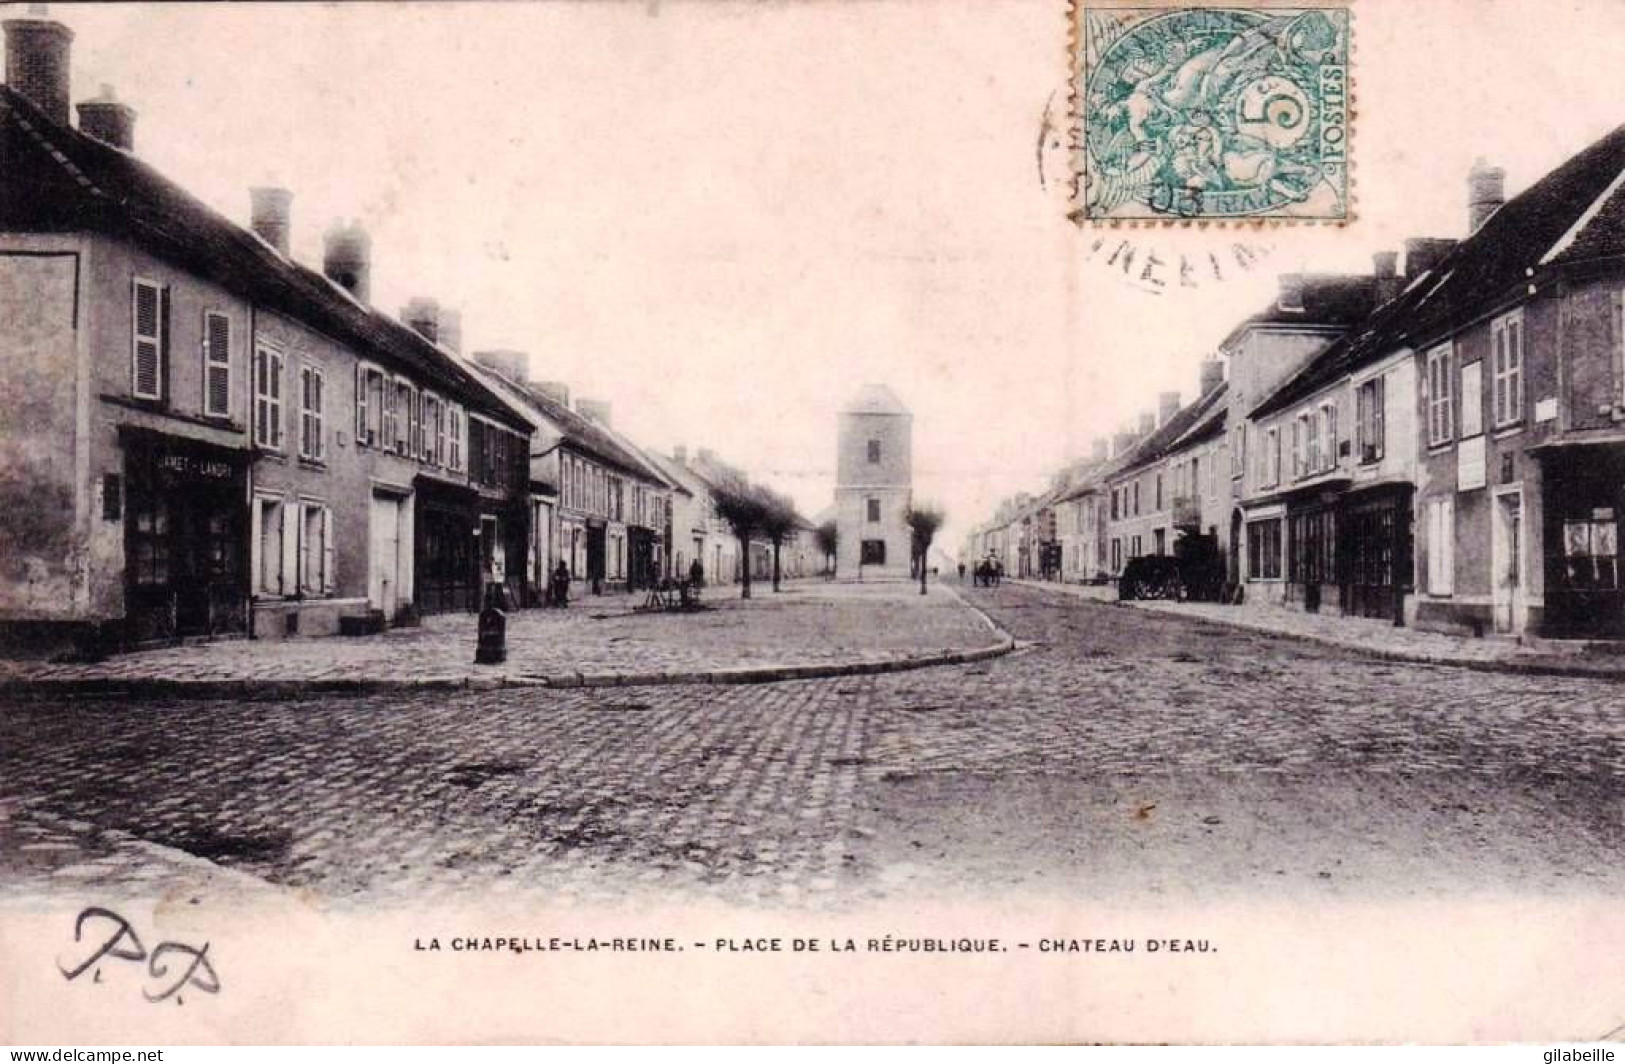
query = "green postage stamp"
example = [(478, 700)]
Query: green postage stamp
[(1211, 114)]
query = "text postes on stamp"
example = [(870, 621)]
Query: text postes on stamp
[(1212, 114)]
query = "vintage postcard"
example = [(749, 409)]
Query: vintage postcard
[(913, 521)]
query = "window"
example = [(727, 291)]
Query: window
[(149, 340), (874, 509), (1506, 348), (1134, 547), (874, 452), (1272, 456), (1441, 552), (370, 392), (405, 418), (1158, 494), (1300, 445), (434, 430), (1159, 541), (1114, 504), (149, 539), (1238, 450), (454, 438), (1472, 399), (268, 397), (310, 414), (216, 365), (1117, 554), (268, 542), (1326, 428), (1440, 399), (1264, 549), (1368, 416), (315, 549), (1591, 555), (1136, 502), (1312, 430)]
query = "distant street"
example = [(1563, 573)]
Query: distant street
[(1118, 752)]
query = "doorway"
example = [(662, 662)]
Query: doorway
[(1506, 559), (384, 579)]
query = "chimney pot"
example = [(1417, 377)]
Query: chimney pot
[(38, 61), (422, 314), (1486, 192), (597, 409), (1422, 253), (347, 259), (1291, 292), (108, 120), (1211, 375), (557, 391), (511, 364), (270, 215)]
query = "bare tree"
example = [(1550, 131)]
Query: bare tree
[(779, 523), (741, 506), (923, 522), (829, 540)]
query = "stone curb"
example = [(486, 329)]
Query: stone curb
[(1526, 668), (275, 690)]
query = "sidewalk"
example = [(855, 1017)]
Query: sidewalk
[(811, 628), (1376, 638)]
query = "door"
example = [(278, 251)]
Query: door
[(1507, 558), (383, 586)]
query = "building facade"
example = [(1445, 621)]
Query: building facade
[(874, 485)]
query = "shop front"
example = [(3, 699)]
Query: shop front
[(446, 547), (1584, 500), (1312, 554), (185, 537), (1374, 548)]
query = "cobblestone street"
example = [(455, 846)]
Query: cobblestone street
[(1117, 751)]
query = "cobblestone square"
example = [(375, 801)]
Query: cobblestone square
[(1116, 752)]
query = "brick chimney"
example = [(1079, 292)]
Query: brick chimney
[(1099, 448), (270, 214), (1422, 253), (1210, 376), (1167, 407), (1148, 424), (38, 61), (597, 409), (679, 454), (557, 391), (1486, 191), (707, 454), (347, 259), (1291, 292), (451, 336), (511, 364), (1122, 440), (109, 120), (422, 315), (1385, 268)]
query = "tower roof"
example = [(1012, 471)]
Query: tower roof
[(874, 399)]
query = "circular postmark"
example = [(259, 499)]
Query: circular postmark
[(1217, 113)]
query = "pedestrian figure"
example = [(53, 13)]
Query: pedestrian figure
[(998, 572), (696, 574), (561, 585), (961, 572)]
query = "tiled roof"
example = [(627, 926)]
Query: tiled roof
[(1329, 301), (55, 179), (874, 399), (588, 435), (1575, 213), (1162, 441)]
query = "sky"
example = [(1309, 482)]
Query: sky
[(725, 217)]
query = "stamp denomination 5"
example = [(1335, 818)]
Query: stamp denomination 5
[(1211, 113)]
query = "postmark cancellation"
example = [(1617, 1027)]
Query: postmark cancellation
[(1202, 114)]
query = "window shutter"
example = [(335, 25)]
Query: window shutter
[(163, 341), (328, 578), (146, 341), (288, 578), (360, 405), (216, 365), (319, 445), (256, 545)]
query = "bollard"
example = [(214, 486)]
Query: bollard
[(492, 648)]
